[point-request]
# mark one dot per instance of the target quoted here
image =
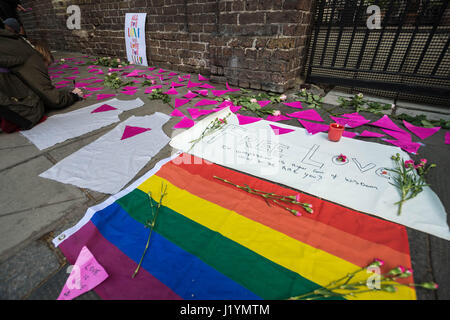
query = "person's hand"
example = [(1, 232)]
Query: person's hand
[(78, 92), (20, 8)]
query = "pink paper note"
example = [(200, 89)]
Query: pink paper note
[(447, 138), (86, 274), (387, 123), (105, 96), (243, 120), (202, 78), (296, 104), (205, 102), (279, 131), (190, 95), (310, 114), (181, 102), (171, 91), (408, 146), (184, 123), (421, 132), (399, 135), (314, 128), (277, 118), (131, 131), (371, 134), (196, 113), (104, 108), (350, 122), (177, 113)]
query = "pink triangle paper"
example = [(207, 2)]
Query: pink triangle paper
[(86, 274), (203, 92), (176, 84), (171, 91), (180, 79), (264, 103), (279, 131), (202, 78), (399, 135), (196, 113), (223, 105), (94, 89), (314, 128), (296, 104), (349, 134), (230, 89), (104, 108), (181, 102), (162, 71), (410, 147), (150, 89), (353, 115), (235, 109), (184, 123), (105, 96), (277, 118), (128, 88), (309, 114), (131, 131), (421, 132), (177, 113), (129, 92), (371, 134), (243, 120), (447, 138), (187, 76), (205, 102), (350, 122), (193, 84), (207, 86), (173, 74), (218, 93), (60, 86), (387, 123), (190, 95)]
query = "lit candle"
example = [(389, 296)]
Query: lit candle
[(335, 132)]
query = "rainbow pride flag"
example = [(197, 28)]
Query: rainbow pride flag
[(212, 241)]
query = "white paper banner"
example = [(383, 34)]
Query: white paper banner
[(308, 163), (62, 127), (109, 163), (135, 38)]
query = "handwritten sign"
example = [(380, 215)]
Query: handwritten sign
[(309, 163), (86, 274), (135, 38)]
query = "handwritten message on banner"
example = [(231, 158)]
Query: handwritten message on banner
[(135, 38), (309, 163)]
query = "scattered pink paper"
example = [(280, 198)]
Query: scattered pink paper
[(399, 135), (104, 108), (133, 73), (180, 79), (410, 147), (371, 134), (176, 84), (202, 78), (235, 109), (177, 113), (128, 88), (162, 71), (350, 122), (349, 134), (310, 114), (207, 86), (277, 118), (218, 93), (93, 70), (150, 89), (196, 113), (181, 102), (129, 92), (151, 68), (314, 128), (131, 131), (223, 105), (171, 91), (63, 82), (187, 76), (193, 84), (190, 95), (184, 123), (243, 120), (105, 96), (205, 102), (231, 89), (295, 104), (264, 103), (94, 89), (387, 123), (447, 138), (173, 74), (203, 92), (352, 115), (279, 131), (86, 274), (421, 132)]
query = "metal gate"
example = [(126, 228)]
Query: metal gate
[(407, 54)]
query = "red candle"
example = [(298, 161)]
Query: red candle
[(335, 132)]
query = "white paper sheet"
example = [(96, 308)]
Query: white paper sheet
[(308, 163), (135, 38), (65, 126), (109, 163)]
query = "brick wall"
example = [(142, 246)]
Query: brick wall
[(254, 43)]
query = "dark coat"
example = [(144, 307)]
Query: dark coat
[(26, 91)]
